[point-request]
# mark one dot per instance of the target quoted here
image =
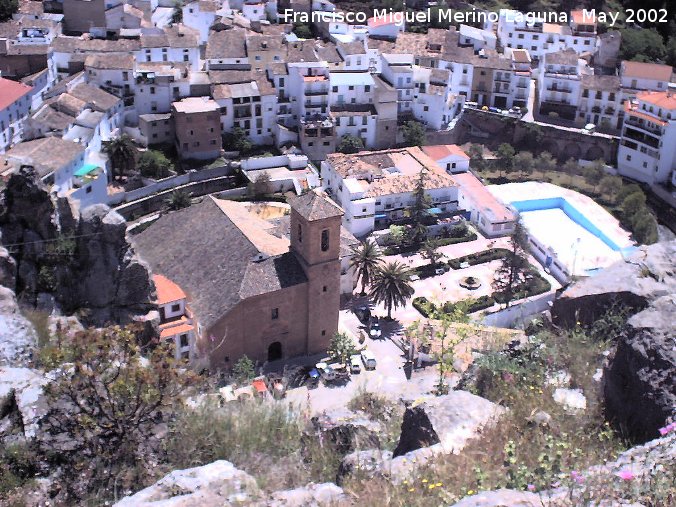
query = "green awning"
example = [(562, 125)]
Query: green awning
[(85, 170)]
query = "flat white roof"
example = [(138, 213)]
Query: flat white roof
[(350, 78)]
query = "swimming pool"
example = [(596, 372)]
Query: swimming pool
[(572, 213)]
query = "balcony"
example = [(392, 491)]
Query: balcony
[(502, 79), (557, 89), (317, 92), (522, 84), (635, 122), (636, 135)]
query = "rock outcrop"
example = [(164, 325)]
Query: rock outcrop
[(213, 485), (347, 430), (17, 336), (22, 403), (638, 386), (81, 259), (312, 495), (449, 421), (501, 497)]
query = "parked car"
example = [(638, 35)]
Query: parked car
[(368, 359), (415, 278), (515, 110), (355, 364), (495, 110), (375, 331), (313, 378)]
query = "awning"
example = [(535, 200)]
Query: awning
[(381, 216), (86, 169), (435, 211)]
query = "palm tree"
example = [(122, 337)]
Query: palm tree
[(366, 259), (391, 286), (178, 199), (122, 154)]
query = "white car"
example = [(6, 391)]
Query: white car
[(368, 359), (375, 331), (355, 364)]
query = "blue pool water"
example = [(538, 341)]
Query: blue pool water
[(572, 213)]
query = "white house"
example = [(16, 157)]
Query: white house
[(15, 104), (375, 188), (477, 38), (560, 82), (647, 150), (387, 26), (638, 76), (176, 323), (448, 157), (200, 15), (600, 101), (158, 84), (177, 43)]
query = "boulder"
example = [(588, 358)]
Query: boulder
[(17, 336), (638, 388), (22, 388), (571, 399), (449, 421), (638, 380), (348, 430), (501, 497), (371, 462), (7, 269), (312, 495), (213, 485)]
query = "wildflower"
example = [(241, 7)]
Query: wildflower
[(470, 492), (668, 428), (438, 484), (424, 481), (531, 487), (626, 475), (577, 476), (411, 489), (431, 486), (405, 482)]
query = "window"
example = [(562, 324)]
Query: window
[(184, 340), (175, 308), (300, 233), (367, 88), (350, 88), (324, 289), (628, 158), (275, 313), (335, 89), (88, 190), (323, 332), (325, 240)]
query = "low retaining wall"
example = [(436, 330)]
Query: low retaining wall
[(520, 314)]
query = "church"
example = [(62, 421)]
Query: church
[(250, 290)]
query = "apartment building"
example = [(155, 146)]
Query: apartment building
[(15, 103), (201, 15), (197, 128), (226, 49), (647, 150), (250, 105), (176, 43), (375, 188), (600, 101), (560, 83), (640, 76), (539, 37)]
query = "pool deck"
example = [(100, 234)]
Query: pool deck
[(575, 246)]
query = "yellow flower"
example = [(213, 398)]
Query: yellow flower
[(405, 482), (431, 486), (470, 492), (531, 387), (411, 489), (424, 480), (439, 484)]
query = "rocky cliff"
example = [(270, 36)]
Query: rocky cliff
[(639, 387), (76, 261)]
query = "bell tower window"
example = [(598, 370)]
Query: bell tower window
[(325, 240), (300, 233)]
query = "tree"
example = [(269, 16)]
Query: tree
[(610, 186), (397, 234), (153, 164), (447, 344), (122, 154), (476, 157), (571, 168), (430, 251), (414, 133), (365, 260), (177, 14), (642, 44), (506, 158), (104, 404), (419, 211), (236, 141), (632, 204), (514, 266), (262, 185), (524, 162), (627, 190), (243, 371), (644, 227), (391, 286), (350, 144), (179, 199), (545, 162), (593, 173), (341, 347), (671, 51), (7, 8), (302, 31)]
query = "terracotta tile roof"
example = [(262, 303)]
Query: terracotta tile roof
[(47, 155), (664, 100), (176, 327), (483, 198), (633, 111), (315, 205), (65, 44), (578, 18), (226, 44), (167, 291), (11, 91), (175, 36), (95, 97), (402, 183), (521, 56), (645, 70), (439, 151)]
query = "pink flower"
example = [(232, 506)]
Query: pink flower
[(577, 476), (530, 487), (626, 475), (668, 428)]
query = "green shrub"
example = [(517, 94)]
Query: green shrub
[(479, 257)]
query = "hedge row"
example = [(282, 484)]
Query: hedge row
[(427, 270), (403, 249), (479, 257)]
